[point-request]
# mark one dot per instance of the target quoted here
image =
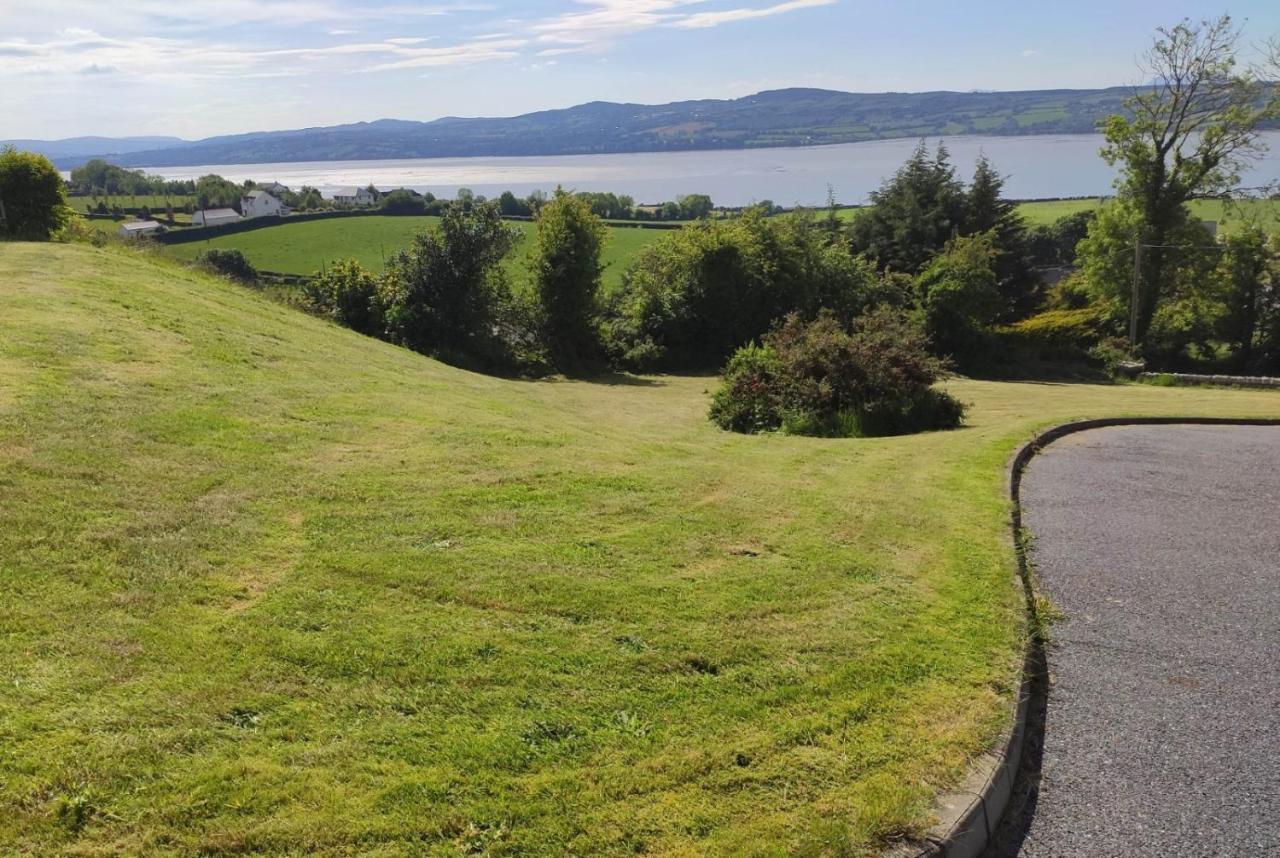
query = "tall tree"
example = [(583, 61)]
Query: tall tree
[(1187, 137), (987, 211), (567, 269), (913, 215), (32, 196), (1247, 270), (444, 291)]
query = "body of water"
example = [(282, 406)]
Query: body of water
[(1038, 166)]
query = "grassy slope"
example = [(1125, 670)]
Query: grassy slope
[(301, 248), (1266, 213), (268, 585)]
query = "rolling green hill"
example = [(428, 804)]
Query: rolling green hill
[(785, 117), (270, 587)]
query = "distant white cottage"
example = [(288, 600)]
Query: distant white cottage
[(213, 217), (354, 197), (138, 228), (262, 204)]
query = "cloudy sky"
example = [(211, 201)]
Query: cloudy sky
[(205, 67)]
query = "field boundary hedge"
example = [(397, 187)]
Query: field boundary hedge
[(202, 233)]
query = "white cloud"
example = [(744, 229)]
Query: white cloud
[(605, 21), (1030, 52), (715, 19), (468, 53)]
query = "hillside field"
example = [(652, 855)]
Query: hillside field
[(271, 587), (303, 248), (1229, 216)]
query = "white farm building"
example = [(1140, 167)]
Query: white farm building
[(354, 197), (262, 204), (213, 217)]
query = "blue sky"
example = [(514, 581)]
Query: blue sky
[(205, 67)]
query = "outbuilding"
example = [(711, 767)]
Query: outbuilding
[(213, 217), (136, 228)]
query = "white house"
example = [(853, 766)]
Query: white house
[(139, 227), (213, 217), (262, 204), (354, 197)]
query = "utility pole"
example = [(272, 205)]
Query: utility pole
[(1137, 291), (3, 222)]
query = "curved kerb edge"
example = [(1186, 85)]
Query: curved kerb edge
[(969, 816)]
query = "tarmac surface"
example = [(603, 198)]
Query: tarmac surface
[(1160, 545)]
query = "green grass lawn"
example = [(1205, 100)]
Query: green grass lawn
[(302, 248), (270, 587)]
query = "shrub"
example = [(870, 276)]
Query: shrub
[(702, 291), (819, 378), (33, 196), (403, 202), (961, 297), (748, 400), (349, 295), (231, 263)]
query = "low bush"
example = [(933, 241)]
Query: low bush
[(821, 378), (348, 294), (748, 400), (404, 202), (231, 263)]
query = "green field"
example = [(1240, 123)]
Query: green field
[(1046, 212), (1229, 216), (302, 248), (271, 587)]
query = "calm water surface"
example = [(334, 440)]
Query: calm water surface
[(1039, 166)]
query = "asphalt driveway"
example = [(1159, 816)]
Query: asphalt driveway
[(1161, 734)]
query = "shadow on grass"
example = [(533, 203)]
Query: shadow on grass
[(607, 378)]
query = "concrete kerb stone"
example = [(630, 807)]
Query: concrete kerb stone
[(969, 815)]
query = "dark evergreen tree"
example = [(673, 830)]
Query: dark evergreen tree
[(987, 211), (913, 215)]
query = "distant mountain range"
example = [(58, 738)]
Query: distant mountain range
[(88, 147), (786, 117)]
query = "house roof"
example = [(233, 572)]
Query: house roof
[(253, 195), (208, 213), (349, 192), (141, 224)]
